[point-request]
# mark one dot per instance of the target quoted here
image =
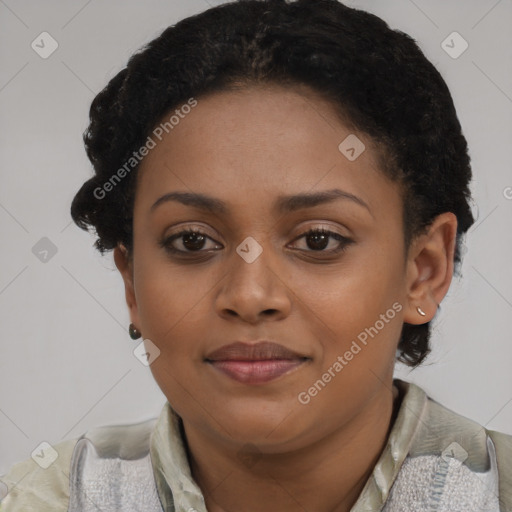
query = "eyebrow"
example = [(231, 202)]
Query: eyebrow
[(283, 204)]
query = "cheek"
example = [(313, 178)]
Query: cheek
[(168, 309), (175, 306), (352, 294), (356, 310)]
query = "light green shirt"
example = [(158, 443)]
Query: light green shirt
[(434, 460)]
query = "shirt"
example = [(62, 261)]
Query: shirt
[(434, 460)]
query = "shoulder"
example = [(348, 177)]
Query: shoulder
[(454, 462), (51, 481), (443, 427), (503, 448), (40, 483)]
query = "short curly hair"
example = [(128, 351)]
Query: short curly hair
[(375, 77)]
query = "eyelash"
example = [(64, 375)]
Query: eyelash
[(165, 243)]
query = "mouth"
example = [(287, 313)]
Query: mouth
[(256, 363)]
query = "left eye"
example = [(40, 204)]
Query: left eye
[(318, 240)]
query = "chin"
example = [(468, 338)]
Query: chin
[(264, 425)]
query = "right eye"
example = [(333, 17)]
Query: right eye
[(192, 241)]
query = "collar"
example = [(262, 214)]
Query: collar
[(178, 490)]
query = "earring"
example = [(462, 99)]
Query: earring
[(421, 312), (135, 334)]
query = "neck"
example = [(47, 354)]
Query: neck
[(327, 476)]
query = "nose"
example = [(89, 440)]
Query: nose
[(253, 292)]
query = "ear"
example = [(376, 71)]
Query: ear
[(125, 266), (430, 268)]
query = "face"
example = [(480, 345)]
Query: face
[(334, 299)]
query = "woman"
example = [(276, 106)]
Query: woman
[(285, 188)]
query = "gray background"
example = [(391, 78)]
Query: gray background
[(66, 359)]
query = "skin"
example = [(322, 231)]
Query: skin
[(257, 448)]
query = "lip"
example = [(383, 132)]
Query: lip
[(255, 363)]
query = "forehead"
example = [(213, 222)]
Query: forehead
[(260, 142)]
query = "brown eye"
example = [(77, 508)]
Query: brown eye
[(318, 239), (193, 241), (190, 241)]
